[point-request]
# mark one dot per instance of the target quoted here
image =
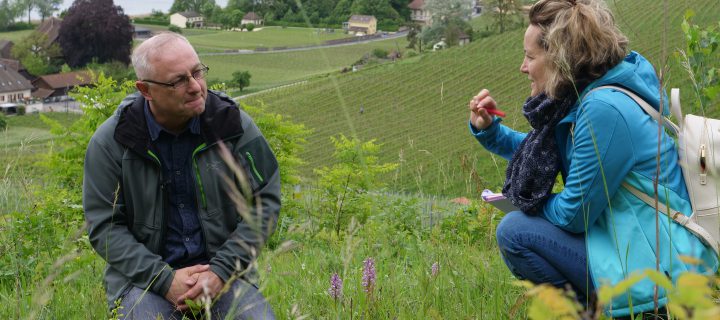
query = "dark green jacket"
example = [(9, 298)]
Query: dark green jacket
[(124, 198)]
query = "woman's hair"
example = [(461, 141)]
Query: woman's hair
[(142, 55), (581, 42)]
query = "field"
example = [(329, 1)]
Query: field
[(435, 258), (427, 97), (15, 36), (272, 69)]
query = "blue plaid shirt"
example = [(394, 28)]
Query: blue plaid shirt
[(184, 243)]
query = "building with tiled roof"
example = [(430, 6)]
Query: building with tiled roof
[(419, 14), (362, 25), (13, 86), (51, 28), (5, 48), (189, 19), (58, 85), (252, 17)]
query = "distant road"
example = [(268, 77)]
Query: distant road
[(389, 36)]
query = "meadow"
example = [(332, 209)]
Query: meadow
[(433, 257), (272, 69)]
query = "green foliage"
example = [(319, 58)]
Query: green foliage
[(380, 53), (241, 79), (3, 122), (174, 28), (286, 140), (250, 27), (345, 185), (700, 59), (98, 103), (114, 69), (36, 55)]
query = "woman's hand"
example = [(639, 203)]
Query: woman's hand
[(480, 118)]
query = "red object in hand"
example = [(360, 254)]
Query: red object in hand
[(496, 112)]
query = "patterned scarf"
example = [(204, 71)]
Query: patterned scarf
[(531, 173)]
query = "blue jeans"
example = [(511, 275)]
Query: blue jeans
[(536, 250), (249, 304)]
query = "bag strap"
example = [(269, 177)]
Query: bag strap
[(669, 125), (677, 216)]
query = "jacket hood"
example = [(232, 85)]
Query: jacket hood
[(219, 121), (636, 74)]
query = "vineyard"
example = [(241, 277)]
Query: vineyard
[(273, 69), (417, 107)]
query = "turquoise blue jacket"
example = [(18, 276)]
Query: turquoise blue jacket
[(605, 140)]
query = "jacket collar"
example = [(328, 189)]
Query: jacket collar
[(220, 121)]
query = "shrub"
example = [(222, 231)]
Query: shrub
[(174, 28), (410, 53), (21, 110), (250, 27), (380, 53), (3, 122)]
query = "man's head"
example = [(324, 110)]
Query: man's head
[(172, 79)]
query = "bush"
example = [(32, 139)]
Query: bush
[(410, 53), (380, 53), (250, 27), (174, 28), (3, 122), (21, 110)]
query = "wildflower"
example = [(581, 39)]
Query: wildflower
[(368, 279), (336, 285), (435, 269)]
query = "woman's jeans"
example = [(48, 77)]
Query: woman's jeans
[(536, 250)]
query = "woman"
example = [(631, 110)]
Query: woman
[(594, 231)]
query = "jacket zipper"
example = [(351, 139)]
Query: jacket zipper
[(164, 200)]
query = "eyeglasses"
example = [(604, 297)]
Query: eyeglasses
[(198, 74)]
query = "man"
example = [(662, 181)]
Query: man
[(156, 192)]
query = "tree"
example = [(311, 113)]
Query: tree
[(95, 29), (507, 11), (250, 27), (47, 7), (8, 12), (190, 5), (241, 79), (37, 55), (449, 21)]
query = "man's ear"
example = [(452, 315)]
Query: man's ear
[(144, 89)]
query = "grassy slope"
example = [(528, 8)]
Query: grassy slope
[(15, 36), (418, 107), (268, 37), (271, 69)]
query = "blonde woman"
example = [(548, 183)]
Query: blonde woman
[(594, 232)]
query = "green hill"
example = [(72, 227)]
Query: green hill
[(417, 107)]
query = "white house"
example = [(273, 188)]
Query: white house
[(252, 17), (13, 86), (419, 14), (187, 19)]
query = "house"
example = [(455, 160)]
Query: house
[(187, 19), (419, 14), (55, 87), (5, 48), (51, 28), (252, 17), (463, 39), (17, 66), (13, 86), (361, 25)]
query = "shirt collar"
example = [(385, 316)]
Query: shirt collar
[(155, 128)]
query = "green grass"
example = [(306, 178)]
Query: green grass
[(268, 37), (272, 69), (418, 108), (15, 36)]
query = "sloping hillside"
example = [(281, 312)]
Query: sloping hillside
[(417, 107)]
